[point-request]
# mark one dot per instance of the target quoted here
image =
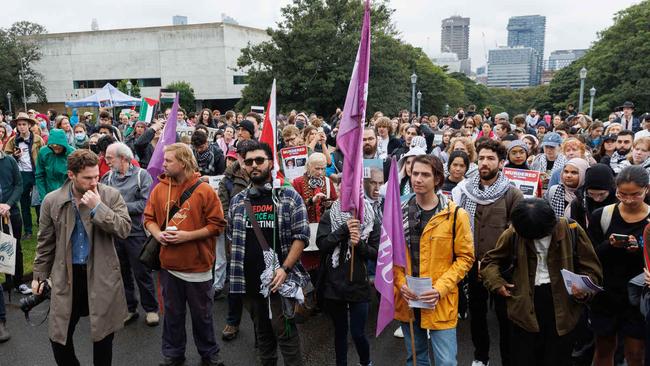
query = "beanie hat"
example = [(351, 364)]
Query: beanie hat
[(518, 143), (599, 176), (418, 141), (248, 126)]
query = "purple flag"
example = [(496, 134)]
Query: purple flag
[(155, 167), (350, 136), (392, 250)]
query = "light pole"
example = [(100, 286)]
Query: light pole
[(446, 109), (9, 99), (414, 80), (592, 94), (129, 87), (419, 100), (583, 76), (22, 78)]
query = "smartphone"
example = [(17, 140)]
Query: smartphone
[(621, 237)]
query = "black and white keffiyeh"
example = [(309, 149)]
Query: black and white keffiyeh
[(541, 163), (556, 197), (618, 162), (288, 289), (472, 195), (339, 218)]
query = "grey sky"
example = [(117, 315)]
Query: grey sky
[(569, 24)]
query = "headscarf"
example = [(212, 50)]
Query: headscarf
[(582, 165)]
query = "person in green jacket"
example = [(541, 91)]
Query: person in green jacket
[(52, 163)]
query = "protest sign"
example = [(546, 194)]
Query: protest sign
[(526, 180), (188, 131), (215, 180), (294, 160)]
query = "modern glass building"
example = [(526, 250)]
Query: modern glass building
[(512, 67), (529, 31), (454, 38)]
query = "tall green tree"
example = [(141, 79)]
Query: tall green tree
[(18, 53), (312, 52), (616, 66), (186, 94)]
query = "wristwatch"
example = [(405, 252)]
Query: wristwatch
[(286, 269)]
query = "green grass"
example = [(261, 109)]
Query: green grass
[(29, 249)]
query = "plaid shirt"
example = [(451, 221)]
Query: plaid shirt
[(292, 223)]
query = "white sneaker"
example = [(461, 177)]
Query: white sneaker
[(398, 333), (23, 289), (480, 363), (152, 319)]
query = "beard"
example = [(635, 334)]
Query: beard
[(489, 174), (262, 178), (623, 151), (369, 150)]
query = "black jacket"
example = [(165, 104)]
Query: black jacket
[(334, 283), (142, 147)]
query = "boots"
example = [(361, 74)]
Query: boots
[(4, 333)]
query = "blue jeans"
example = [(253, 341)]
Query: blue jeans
[(3, 311), (358, 317), (443, 343)]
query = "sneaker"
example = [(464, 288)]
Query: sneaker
[(229, 332), (27, 236), (218, 295), (131, 317), (480, 363), (168, 361), (152, 319), (214, 360), (398, 333), (4, 333), (24, 289)]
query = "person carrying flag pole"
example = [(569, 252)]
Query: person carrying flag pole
[(439, 253)]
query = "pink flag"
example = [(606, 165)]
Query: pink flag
[(167, 137), (392, 247), (350, 136)]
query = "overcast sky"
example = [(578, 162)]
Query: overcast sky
[(569, 23)]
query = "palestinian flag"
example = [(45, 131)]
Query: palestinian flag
[(147, 109)]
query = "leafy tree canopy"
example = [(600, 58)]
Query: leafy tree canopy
[(122, 86), (186, 98)]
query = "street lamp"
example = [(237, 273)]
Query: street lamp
[(446, 109), (414, 80), (9, 99), (583, 76), (129, 87), (592, 94), (419, 100), (22, 78)]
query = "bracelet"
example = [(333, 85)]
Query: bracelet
[(286, 269)]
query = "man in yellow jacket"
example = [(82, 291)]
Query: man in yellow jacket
[(439, 247)]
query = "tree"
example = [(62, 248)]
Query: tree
[(615, 65), (186, 98), (312, 52), (18, 52), (135, 88)]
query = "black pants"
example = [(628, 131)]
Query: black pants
[(103, 349), (546, 347), (478, 307)]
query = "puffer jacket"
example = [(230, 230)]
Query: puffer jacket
[(446, 263)]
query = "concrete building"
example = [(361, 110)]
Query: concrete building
[(179, 20), (562, 58), (447, 59), (512, 67), (74, 65), (454, 37), (529, 31)]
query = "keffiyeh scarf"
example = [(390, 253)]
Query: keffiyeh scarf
[(472, 195), (541, 163), (339, 218)]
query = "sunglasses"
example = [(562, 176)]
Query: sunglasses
[(257, 161)]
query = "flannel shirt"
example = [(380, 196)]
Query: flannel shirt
[(292, 223)]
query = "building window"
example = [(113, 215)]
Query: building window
[(98, 84), (240, 79)]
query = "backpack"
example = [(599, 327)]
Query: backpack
[(508, 272), (606, 217), (110, 177)]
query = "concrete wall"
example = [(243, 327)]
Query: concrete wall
[(201, 54)]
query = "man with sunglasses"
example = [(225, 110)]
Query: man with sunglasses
[(279, 222)]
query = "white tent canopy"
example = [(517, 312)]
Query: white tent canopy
[(108, 96)]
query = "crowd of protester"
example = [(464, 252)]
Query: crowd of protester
[(284, 254)]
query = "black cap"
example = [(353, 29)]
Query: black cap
[(248, 126), (599, 176), (628, 104), (610, 137)]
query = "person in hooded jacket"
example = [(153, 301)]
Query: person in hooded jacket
[(597, 191), (52, 163)]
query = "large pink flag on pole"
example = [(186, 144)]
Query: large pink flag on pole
[(168, 137), (350, 136), (392, 247)]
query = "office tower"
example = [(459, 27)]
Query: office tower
[(179, 20), (512, 67), (454, 37), (529, 31)]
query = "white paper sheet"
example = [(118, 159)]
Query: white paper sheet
[(419, 285), (582, 282)]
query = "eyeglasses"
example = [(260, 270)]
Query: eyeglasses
[(258, 161), (635, 195)]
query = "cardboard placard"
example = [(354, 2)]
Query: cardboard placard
[(294, 160), (526, 180)]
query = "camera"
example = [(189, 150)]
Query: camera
[(31, 301)]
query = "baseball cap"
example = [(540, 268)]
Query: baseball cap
[(552, 139)]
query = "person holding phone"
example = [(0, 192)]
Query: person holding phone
[(616, 234)]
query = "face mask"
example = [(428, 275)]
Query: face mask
[(43, 125), (80, 136), (597, 141), (300, 125), (94, 148)]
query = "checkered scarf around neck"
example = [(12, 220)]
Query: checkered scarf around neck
[(472, 195), (339, 218), (557, 200), (205, 158), (559, 162)]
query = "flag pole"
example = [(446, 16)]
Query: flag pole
[(409, 272), (354, 214)]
